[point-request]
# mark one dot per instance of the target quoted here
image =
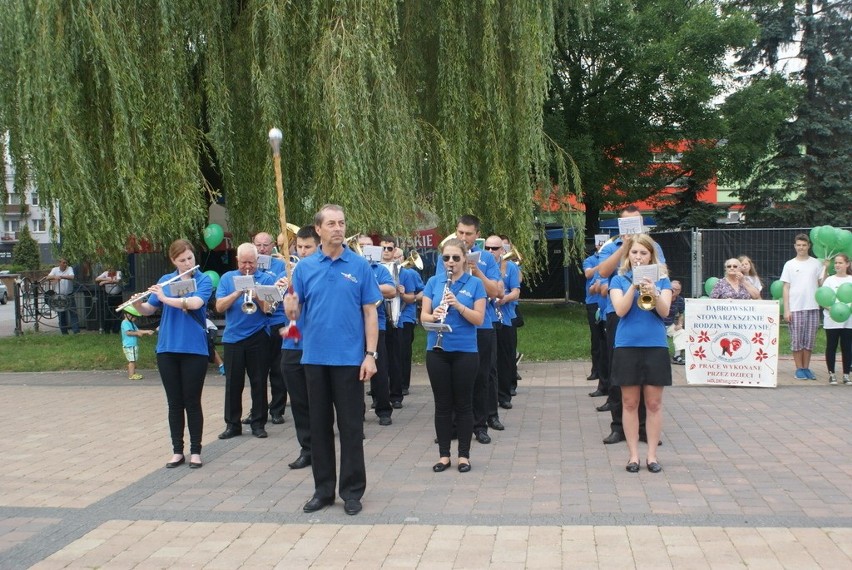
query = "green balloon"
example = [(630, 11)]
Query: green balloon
[(842, 240), (709, 284), (213, 235), (818, 249), (214, 277), (777, 289), (839, 312), (828, 237), (825, 296), (844, 293), (814, 233)]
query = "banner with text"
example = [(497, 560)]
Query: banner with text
[(731, 342)]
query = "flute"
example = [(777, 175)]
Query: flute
[(145, 294)]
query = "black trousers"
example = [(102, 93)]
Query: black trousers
[(393, 349), (614, 392), (484, 390), (277, 386), (379, 384), (507, 368), (297, 386), (336, 389), (594, 337), (248, 356), (844, 338), (406, 342), (451, 375), (183, 380)]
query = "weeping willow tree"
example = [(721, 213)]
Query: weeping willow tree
[(131, 116)]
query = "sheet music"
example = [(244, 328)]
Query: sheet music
[(630, 226), (269, 294), (243, 282), (640, 272), (182, 288), (264, 262), (372, 253)]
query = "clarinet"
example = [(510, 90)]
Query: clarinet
[(438, 342)]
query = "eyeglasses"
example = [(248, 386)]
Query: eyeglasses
[(732, 267), (455, 258), (262, 244), (389, 248), (493, 247)]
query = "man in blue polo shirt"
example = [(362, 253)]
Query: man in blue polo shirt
[(246, 342), (506, 334), (409, 289), (337, 292), (485, 386)]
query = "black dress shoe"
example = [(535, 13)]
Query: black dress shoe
[(195, 464), (506, 405), (597, 393), (495, 423), (593, 376), (259, 433), (352, 506), (654, 467), (513, 392), (277, 419), (441, 467), (230, 432), (247, 420), (464, 467), (397, 405), (405, 392), (614, 437), (632, 467), (300, 463), (173, 464), (385, 421), (482, 437), (605, 407), (316, 504)]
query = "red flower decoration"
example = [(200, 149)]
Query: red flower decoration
[(703, 337), (760, 356), (699, 353), (757, 338)]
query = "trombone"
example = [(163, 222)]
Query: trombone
[(145, 294)]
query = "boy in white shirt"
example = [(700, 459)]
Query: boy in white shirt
[(801, 279)]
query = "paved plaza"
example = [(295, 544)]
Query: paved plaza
[(753, 478)]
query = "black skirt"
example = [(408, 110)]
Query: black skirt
[(641, 366)]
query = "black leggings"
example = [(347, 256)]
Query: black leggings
[(183, 379), (451, 375), (844, 337)]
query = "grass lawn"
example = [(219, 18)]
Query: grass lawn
[(551, 333)]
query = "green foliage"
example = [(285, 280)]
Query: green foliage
[(26, 253)]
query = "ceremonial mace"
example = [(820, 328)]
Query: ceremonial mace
[(275, 137)]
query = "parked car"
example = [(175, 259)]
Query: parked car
[(4, 293)]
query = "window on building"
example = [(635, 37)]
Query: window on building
[(39, 226), (13, 200), (34, 198), (12, 225)]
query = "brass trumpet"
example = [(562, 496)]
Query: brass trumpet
[(249, 307), (647, 297)]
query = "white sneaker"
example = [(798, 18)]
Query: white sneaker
[(832, 379)]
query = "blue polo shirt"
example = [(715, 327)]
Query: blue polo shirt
[(467, 289), (383, 277), (412, 283), (184, 332), (639, 328), (488, 266), (238, 325), (589, 263), (332, 294), (512, 280)]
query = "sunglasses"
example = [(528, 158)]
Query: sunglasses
[(389, 248), (455, 258), (732, 267), (493, 247)]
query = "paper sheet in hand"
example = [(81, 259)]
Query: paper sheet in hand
[(182, 288), (473, 258), (437, 327), (372, 253), (601, 239), (630, 226), (652, 272), (243, 283), (269, 294)]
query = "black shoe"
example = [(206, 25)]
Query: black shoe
[(632, 467), (405, 392), (173, 464), (464, 467), (385, 421), (505, 405), (605, 407), (593, 376), (195, 465), (495, 423), (513, 392), (654, 467), (230, 432), (352, 506), (614, 437), (300, 463), (316, 504), (247, 420), (259, 433), (597, 393), (277, 419), (440, 467), (482, 437), (397, 405)]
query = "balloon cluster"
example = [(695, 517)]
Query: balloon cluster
[(839, 303), (827, 241)]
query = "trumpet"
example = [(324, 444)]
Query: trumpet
[(249, 307), (647, 296), (413, 260), (145, 294), (439, 341)]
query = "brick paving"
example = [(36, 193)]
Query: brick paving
[(753, 478)]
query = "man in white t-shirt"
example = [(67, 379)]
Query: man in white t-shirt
[(62, 283), (801, 279)]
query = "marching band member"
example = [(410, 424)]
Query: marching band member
[(246, 342), (337, 292), (457, 299), (182, 351), (410, 290), (507, 339)]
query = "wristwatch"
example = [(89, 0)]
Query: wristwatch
[(374, 354)]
